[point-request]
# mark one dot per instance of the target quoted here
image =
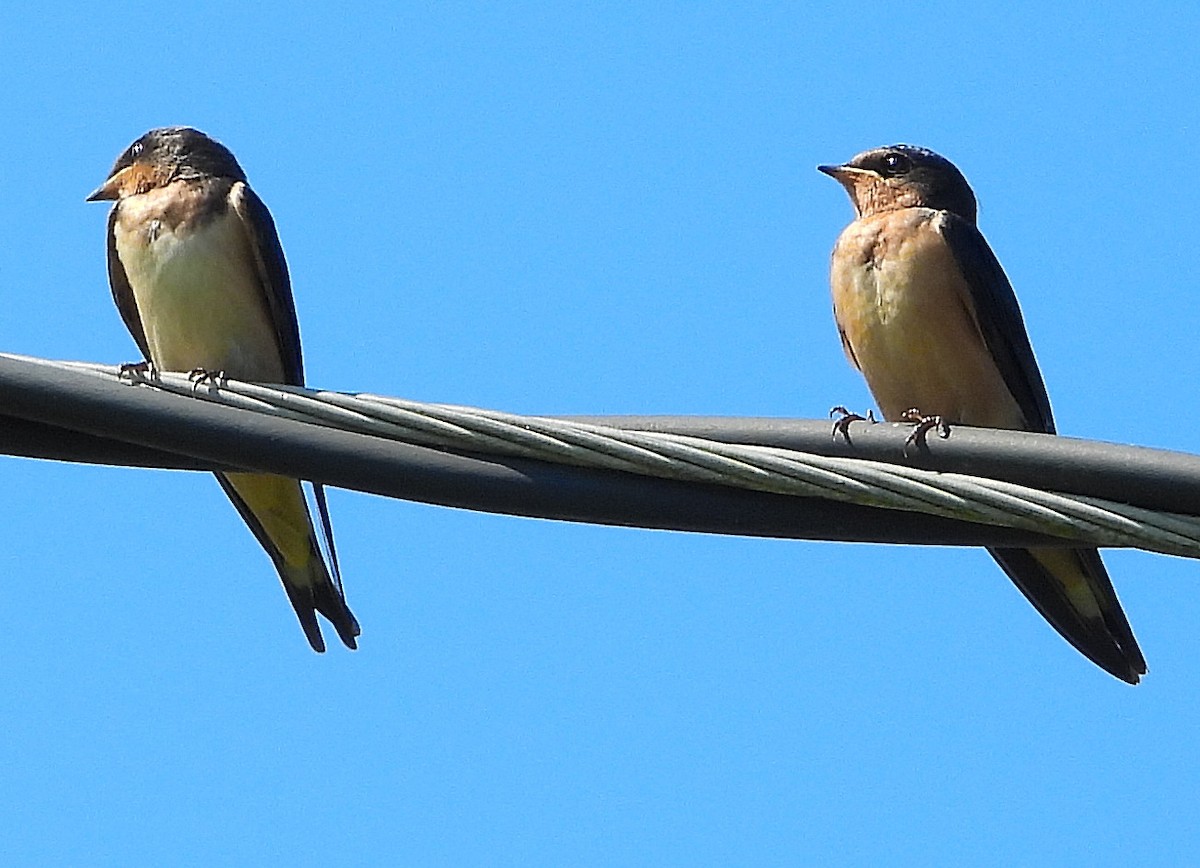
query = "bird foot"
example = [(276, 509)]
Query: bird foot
[(924, 424), (841, 424), (200, 376), (137, 370)]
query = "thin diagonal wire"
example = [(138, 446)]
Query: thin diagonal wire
[(674, 456)]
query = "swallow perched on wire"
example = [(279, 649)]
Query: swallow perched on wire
[(199, 278), (928, 316)]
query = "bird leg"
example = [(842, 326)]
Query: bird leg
[(137, 370), (841, 425), (924, 424), (200, 376)]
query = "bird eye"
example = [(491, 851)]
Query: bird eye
[(895, 163), (135, 150)]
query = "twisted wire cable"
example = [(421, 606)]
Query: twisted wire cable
[(626, 446)]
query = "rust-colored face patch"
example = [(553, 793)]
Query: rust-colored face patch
[(873, 194), (132, 180), (140, 178)]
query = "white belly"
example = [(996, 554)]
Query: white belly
[(200, 299)]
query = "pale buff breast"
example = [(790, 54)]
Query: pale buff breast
[(197, 290), (908, 322)]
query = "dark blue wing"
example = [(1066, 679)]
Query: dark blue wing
[(329, 599), (122, 292), (276, 286), (999, 319)]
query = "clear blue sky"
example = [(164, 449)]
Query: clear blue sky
[(564, 208)]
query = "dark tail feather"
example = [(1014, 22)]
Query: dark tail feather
[(312, 589), (315, 592), (1105, 639), (306, 614), (332, 601)]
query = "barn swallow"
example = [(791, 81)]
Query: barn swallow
[(928, 316), (199, 277)]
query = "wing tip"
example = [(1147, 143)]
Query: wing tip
[(1132, 670), (1107, 640)]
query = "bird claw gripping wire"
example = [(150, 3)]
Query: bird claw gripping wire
[(924, 424), (841, 424)]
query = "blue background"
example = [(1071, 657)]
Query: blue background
[(578, 208)]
